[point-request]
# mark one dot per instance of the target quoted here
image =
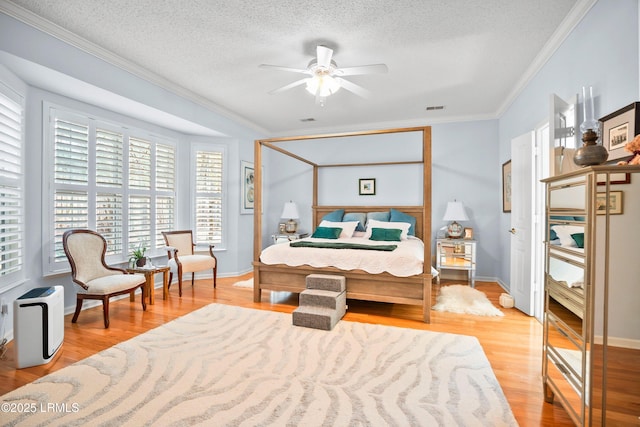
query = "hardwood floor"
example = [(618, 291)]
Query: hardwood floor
[(513, 343)]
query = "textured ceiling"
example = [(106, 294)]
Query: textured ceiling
[(468, 55)]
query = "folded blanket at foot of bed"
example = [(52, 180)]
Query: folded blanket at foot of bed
[(338, 245)]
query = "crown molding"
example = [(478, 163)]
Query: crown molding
[(26, 16), (573, 18)]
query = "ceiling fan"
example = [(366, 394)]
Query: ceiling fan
[(325, 76)]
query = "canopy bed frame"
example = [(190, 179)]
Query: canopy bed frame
[(382, 287)]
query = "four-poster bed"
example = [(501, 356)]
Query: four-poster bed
[(381, 287)]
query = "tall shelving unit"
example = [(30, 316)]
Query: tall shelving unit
[(591, 354)]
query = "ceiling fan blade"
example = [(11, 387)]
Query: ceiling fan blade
[(362, 69), (290, 86), (279, 68), (352, 87), (324, 55)]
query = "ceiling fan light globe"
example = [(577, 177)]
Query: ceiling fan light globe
[(322, 85)]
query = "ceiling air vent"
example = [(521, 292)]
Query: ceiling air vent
[(435, 107), (309, 119)]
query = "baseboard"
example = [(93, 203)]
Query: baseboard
[(619, 342)]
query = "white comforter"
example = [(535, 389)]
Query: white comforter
[(406, 260)]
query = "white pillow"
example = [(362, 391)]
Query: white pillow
[(348, 227), (564, 233), (403, 226)]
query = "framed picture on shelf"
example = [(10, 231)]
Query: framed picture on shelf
[(615, 203), (367, 186), (618, 128), (247, 177), (506, 186), (468, 233)]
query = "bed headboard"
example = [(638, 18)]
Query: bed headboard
[(416, 211)]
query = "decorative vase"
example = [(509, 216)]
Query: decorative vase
[(140, 262), (591, 153)]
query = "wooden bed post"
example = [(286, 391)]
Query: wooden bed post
[(426, 222), (257, 220)]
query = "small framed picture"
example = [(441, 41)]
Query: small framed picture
[(468, 233), (619, 128), (247, 176), (282, 227), (506, 186), (614, 205), (367, 186)]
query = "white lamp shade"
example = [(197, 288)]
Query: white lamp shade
[(290, 210), (455, 212)]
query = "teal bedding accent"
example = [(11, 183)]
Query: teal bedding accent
[(341, 245)]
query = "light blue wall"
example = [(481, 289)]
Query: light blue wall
[(465, 159), (602, 51)]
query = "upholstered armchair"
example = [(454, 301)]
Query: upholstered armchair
[(183, 259), (86, 251)]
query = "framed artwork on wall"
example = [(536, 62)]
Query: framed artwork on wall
[(615, 203), (247, 177), (506, 186), (367, 186), (619, 128)]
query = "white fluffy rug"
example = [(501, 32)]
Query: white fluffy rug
[(244, 284), (231, 366), (465, 299)]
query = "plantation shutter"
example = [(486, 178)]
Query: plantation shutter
[(165, 188), (209, 196), (109, 221), (11, 190), (110, 175), (139, 205), (139, 164), (109, 158), (71, 167), (139, 221), (109, 178)]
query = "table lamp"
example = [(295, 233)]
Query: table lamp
[(455, 212), (290, 210)]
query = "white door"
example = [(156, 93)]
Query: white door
[(522, 190)]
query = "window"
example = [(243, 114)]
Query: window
[(11, 188), (209, 193), (115, 180)]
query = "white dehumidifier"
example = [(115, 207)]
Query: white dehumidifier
[(38, 325)]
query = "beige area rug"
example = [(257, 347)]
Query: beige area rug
[(232, 366), (465, 299), (244, 284)]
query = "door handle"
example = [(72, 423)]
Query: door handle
[(512, 231)]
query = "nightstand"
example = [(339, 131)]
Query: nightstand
[(287, 237), (456, 254)]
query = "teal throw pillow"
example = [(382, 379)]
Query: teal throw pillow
[(579, 239), (356, 216), (386, 234), (335, 216), (378, 216), (397, 216), (327, 233)]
